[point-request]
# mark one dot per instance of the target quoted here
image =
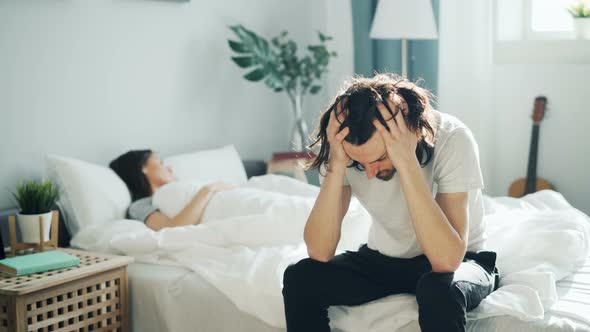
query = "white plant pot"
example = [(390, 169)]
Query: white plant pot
[(582, 27), (29, 226)]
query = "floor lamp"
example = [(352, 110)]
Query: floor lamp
[(404, 19)]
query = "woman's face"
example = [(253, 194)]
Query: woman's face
[(155, 171)]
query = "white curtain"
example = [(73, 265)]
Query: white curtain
[(465, 70)]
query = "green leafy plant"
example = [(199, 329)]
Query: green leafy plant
[(580, 9), (282, 69), (277, 63), (36, 197)]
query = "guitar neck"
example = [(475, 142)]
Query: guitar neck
[(531, 174)]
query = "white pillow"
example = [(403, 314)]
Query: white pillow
[(90, 194), (206, 166)]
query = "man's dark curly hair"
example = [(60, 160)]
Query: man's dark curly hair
[(359, 98)]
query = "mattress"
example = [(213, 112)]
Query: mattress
[(173, 298)]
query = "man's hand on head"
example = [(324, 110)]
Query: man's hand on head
[(400, 141), (338, 156)]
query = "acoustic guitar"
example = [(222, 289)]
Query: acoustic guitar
[(532, 183)]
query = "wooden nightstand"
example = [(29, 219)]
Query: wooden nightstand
[(92, 296)]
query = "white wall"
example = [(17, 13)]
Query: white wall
[(564, 152), (496, 102), (91, 79)]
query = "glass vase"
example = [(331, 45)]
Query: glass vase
[(299, 134)]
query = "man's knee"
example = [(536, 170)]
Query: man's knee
[(441, 303), (298, 277), (437, 290)]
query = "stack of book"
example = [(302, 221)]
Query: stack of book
[(293, 155), (38, 262)]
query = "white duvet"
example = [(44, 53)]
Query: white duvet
[(248, 236)]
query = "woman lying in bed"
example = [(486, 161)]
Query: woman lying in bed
[(161, 201), (144, 173)]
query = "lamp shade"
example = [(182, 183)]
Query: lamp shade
[(404, 19)]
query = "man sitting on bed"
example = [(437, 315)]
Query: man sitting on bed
[(383, 142)]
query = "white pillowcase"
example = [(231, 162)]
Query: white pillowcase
[(206, 166), (90, 194)]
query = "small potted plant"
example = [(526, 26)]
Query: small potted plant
[(35, 199), (580, 11)]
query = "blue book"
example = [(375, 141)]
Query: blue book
[(38, 262)]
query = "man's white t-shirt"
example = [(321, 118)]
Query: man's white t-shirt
[(454, 167)]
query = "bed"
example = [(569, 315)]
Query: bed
[(176, 298), (170, 298)]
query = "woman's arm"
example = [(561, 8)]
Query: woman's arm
[(192, 212)]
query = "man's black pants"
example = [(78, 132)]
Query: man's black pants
[(354, 278)]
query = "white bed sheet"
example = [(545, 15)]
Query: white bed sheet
[(173, 298)]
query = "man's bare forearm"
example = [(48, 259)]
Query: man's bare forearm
[(322, 230), (442, 244)]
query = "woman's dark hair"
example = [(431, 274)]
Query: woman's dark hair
[(129, 168), (359, 98)]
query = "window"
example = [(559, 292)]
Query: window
[(549, 19), (533, 20), (537, 31)]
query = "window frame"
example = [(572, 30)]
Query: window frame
[(534, 47), (530, 34)]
